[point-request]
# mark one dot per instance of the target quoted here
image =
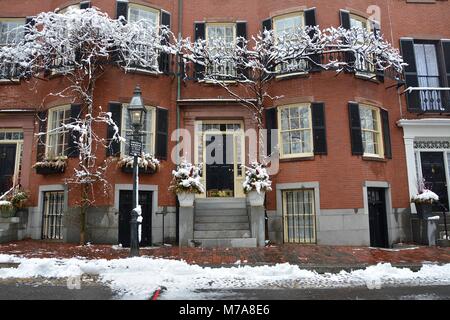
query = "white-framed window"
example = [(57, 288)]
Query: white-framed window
[(148, 17), (295, 131), (283, 27), (72, 6), (11, 30), (143, 14), (224, 33), (371, 131), (428, 75), (363, 67), (57, 135), (148, 130)]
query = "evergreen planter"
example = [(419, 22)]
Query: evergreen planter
[(8, 212), (148, 170), (50, 170), (424, 210)]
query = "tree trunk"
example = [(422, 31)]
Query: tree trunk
[(83, 211)]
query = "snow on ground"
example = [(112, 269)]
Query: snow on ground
[(138, 278)]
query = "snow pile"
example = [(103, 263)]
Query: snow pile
[(427, 196), (256, 178), (137, 278), (186, 178)]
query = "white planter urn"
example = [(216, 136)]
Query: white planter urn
[(256, 199), (186, 199)]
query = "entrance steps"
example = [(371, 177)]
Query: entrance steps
[(222, 222)]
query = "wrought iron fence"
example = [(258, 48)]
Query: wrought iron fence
[(428, 99)]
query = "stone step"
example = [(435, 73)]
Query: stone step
[(224, 243), (223, 203), (221, 226), (221, 212), (224, 234), (217, 218), (10, 220)]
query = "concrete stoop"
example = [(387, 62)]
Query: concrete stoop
[(222, 222)]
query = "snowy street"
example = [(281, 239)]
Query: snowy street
[(139, 278)]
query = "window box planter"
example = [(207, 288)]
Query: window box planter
[(50, 170), (147, 170), (51, 166)]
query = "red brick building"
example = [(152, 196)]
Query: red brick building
[(352, 189)]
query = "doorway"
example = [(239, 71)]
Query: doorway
[(378, 217), (433, 172), (7, 166), (220, 151), (125, 207)]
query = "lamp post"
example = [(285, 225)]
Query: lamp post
[(137, 113)]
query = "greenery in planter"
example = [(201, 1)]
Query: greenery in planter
[(14, 199), (186, 178), (256, 178), (147, 162), (57, 164)]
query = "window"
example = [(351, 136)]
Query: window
[(148, 17), (371, 131), (148, 130), (299, 217), (362, 66), (284, 26), (144, 15), (11, 31), (53, 213), (73, 6), (295, 131), (428, 76), (57, 136), (224, 34)]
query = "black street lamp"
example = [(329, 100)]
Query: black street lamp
[(136, 110)]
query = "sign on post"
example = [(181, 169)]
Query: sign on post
[(135, 148)]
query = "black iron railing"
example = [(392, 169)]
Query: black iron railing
[(9, 71), (428, 100)]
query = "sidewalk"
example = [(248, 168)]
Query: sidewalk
[(319, 258)]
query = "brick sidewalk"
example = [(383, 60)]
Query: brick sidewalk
[(304, 255)]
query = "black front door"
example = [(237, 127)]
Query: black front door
[(7, 165), (377, 217), (219, 165), (125, 207), (433, 172)]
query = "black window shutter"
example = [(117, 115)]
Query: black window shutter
[(271, 124), (319, 128), (386, 134), (164, 58), (355, 128), (241, 32), (162, 133), (116, 115), (407, 50), (349, 56), (199, 33), (74, 151), (42, 121), (345, 19), (267, 24), (85, 4), (122, 10), (311, 21)]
